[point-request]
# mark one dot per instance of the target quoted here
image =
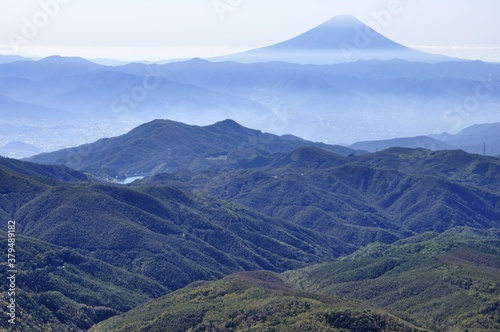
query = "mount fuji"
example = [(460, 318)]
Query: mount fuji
[(343, 38)]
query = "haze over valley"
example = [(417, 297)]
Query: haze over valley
[(60, 102), (336, 177)]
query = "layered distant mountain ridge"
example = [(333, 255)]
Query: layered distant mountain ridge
[(480, 139), (379, 90)]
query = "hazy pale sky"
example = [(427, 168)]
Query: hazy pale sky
[(166, 29)]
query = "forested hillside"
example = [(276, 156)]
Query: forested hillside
[(401, 233)]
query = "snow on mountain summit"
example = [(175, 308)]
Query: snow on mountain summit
[(343, 38)]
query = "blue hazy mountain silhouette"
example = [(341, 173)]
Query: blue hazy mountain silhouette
[(344, 102), (12, 58), (343, 38), (479, 139), (52, 66)]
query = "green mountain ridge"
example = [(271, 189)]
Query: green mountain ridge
[(394, 230), (61, 289), (450, 282), (167, 146), (168, 237), (57, 172), (432, 282), (380, 197), (253, 301)]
